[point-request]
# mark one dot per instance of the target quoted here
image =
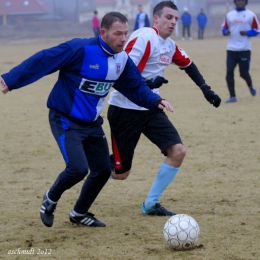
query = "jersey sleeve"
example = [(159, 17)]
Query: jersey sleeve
[(255, 27), (139, 49), (181, 58)]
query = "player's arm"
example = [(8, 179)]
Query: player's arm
[(182, 60), (255, 29), (225, 28), (38, 65)]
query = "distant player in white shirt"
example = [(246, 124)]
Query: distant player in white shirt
[(152, 50), (240, 25)]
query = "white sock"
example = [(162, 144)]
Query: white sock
[(77, 214)]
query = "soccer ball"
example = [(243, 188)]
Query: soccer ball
[(181, 232)]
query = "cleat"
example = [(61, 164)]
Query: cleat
[(87, 220), (231, 100), (47, 211), (157, 210), (252, 90)]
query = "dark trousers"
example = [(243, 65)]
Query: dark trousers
[(184, 29), (201, 32), (84, 147), (242, 58)]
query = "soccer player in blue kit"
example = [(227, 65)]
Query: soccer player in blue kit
[(88, 68)]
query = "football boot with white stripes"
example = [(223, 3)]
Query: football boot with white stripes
[(47, 211), (87, 220)]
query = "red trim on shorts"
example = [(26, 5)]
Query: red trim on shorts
[(117, 157)]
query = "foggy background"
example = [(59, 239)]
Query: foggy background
[(72, 18)]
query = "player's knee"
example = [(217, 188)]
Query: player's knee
[(176, 152), (244, 75)]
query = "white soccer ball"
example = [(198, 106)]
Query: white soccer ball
[(181, 232)]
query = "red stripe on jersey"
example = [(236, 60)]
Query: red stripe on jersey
[(130, 45), (145, 57), (117, 157), (180, 58), (146, 54), (255, 24), (225, 25)]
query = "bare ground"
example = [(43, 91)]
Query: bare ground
[(218, 184)]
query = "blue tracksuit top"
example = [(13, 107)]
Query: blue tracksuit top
[(202, 19), (186, 19), (88, 68)]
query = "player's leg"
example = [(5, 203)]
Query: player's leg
[(125, 128), (96, 149), (231, 62), (189, 35), (183, 31), (244, 66), (71, 147), (162, 133)]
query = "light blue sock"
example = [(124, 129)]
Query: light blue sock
[(165, 175)]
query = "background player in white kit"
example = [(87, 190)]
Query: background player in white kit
[(152, 50), (240, 25)]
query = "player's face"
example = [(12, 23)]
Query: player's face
[(240, 3), (115, 37), (167, 22)]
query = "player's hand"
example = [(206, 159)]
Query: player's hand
[(243, 33), (210, 95), (227, 33), (156, 82), (5, 89), (165, 104)]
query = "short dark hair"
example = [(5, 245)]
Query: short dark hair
[(235, 1), (111, 18), (158, 8), (95, 12)]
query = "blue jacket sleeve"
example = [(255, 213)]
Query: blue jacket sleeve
[(38, 65), (132, 85)]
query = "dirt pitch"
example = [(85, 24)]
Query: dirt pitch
[(218, 183)]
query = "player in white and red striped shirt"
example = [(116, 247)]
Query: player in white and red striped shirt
[(240, 25), (152, 50)]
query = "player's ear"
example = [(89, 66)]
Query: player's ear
[(103, 32)]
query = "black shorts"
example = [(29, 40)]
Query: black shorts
[(127, 125)]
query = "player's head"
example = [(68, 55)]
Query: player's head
[(114, 29), (95, 12), (165, 16), (140, 8), (159, 7), (240, 3)]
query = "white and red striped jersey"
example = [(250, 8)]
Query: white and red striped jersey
[(152, 55), (236, 21)]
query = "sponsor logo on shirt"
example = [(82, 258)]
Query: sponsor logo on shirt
[(95, 67), (95, 87), (164, 59)]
